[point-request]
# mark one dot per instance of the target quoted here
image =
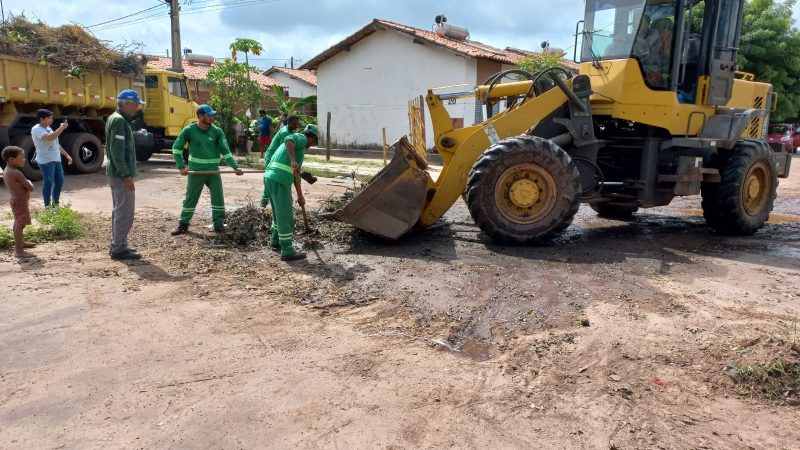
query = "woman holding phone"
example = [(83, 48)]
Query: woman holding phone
[(48, 155)]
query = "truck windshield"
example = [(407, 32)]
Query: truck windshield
[(779, 129), (610, 28)]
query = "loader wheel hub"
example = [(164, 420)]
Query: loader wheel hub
[(756, 188), (525, 193)]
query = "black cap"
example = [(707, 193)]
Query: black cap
[(43, 113)]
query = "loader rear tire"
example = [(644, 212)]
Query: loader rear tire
[(614, 210), (742, 201), (524, 190)]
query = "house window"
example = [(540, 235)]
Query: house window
[(177, 87), (151, 81)]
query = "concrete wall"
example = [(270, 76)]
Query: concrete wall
[(297, 88), (369, 86)]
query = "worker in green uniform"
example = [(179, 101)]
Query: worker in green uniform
[(292, 123), (284, 171), (207, 143)]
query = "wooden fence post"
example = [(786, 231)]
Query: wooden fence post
[(328, 138), (384, 146)]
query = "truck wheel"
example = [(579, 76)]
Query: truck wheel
[(742, 201), (31, 169), (86, 150), (143, 153), (614, 210), (524, 190)]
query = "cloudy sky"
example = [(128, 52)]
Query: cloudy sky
[(303, 28)]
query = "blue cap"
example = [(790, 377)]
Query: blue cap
[(130, 95), (205, 109)]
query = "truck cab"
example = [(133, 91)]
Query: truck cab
[(169, 108)]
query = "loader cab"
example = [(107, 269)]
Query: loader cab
[(685, 46)]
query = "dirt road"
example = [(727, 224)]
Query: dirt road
[(619, 333)]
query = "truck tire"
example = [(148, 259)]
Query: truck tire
[(31, 169), (742, 201), (143, 153), (145, 145), (524, 190), (86, 150), (614, 210)]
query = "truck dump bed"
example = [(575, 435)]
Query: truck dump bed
[(25, 82)]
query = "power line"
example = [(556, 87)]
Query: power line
[(125, 17), (188, 11), (223, 6), (150, 18)]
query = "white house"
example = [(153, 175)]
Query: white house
[(366, 80), (299, 82)]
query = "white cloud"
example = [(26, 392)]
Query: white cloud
[(304, 28)]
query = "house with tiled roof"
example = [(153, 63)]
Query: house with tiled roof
[(366, 80), (299, 82), (196, 71)]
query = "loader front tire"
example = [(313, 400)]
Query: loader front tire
[(525, 190), (742, 201)]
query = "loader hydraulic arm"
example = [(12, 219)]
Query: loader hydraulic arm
[(460, 148)]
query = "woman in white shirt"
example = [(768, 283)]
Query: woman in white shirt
[(48, 155)]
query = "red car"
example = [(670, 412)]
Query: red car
[(786, 134)]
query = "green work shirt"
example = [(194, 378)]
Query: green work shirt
[(280, 167), (277, 140), (120, 148), (205, 148)]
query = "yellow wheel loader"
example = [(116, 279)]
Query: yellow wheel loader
[(657, 110)]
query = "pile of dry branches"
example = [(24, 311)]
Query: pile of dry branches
[(70, 47)]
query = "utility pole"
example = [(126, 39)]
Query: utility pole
[(174, 8)]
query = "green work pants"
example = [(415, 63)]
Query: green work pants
[(194, 187), (265, 195), (280, 197)]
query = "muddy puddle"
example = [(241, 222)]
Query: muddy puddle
[(472, 348)]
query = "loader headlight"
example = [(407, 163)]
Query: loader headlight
[(786, 138)]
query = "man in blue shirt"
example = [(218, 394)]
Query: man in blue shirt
[(48, 155), (264, 132)]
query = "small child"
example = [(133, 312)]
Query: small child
[(20, 189)]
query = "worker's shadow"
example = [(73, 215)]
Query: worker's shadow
[(151, 272), (437, 242), (33, 263), (322, 263)]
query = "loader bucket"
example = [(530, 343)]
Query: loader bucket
[(392, 202)]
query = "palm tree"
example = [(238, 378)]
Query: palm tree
[(246, 46)]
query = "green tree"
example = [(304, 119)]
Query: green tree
[(245, 46), (231, 89), (540, 61), (770, 49), (285, 105)]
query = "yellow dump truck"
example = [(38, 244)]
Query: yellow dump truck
[(85, 102)]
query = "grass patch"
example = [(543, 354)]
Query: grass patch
[(775, 380), (327, 173), (51, 224), (772, 370), (345, 162), (251, 161)]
